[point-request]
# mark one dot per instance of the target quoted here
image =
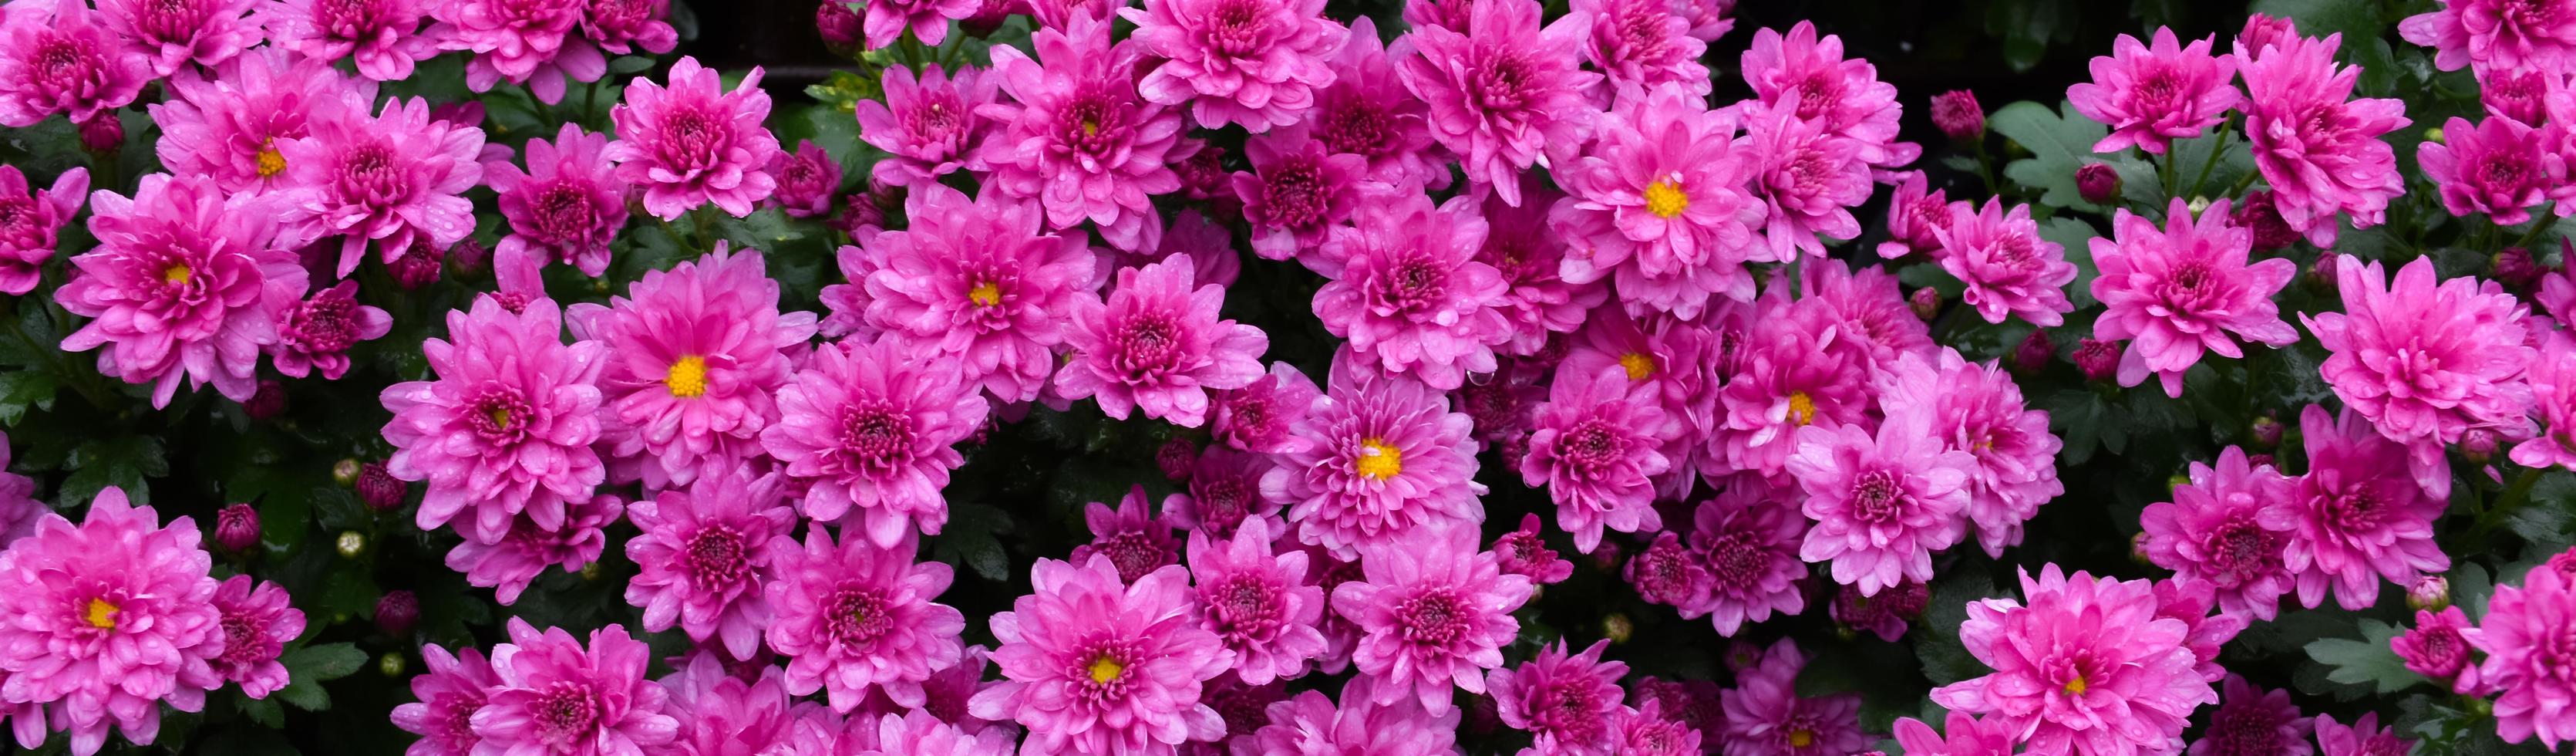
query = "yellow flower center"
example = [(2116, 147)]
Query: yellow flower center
[(1801, 738), (1802, 408), (688, 377), (1639, 366), (985, 294), (271, 162), (1378, 459), (500, 418), (1104, 669), (1665, 199), (102, 615), (177, 273), (2077, 686)]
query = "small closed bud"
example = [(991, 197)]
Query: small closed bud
[(1618, 628), (989, 15), (266, 402), (2198, 205), (345, 472), (2262, 214), (1484, 715), (1743, 655), (2515, 269), (2321, 274), (838, 24), (2097, 182), (1926, 303), (419, 267), (2174, 481), (2099, 360), (391, 664), (1177, 458), (2429, 593), (103, 134), (1607, 556), (2258, 460), (2480, 706), (237, 528), (590, 572), (2034, 352), (379, 488), (397, 613), (2433, 135), (1959, 116), (351, 544), (2267, 431), (470, 258), (2262, 31), (2478, 446), (2138, 549)]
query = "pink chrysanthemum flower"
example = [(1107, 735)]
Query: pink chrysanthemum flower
[(720, 713), (2319, 149), (2438, 648), (1674, 360), (1079, 139), (2522, 95), (702, 556), (1500, 98), (978, 280), (506, 427), (2496, 35), (109, 619), (872, 432), (1594, 448), (1567, 702), (19, 509), (1792, 377), (1915, 218), (2177, 292), (1158, 344), (1666, 573), (1298, 191), (695, 355), (1135, 540), (1537, 302), (564, 208), (393, 179), (1765, 716), (2358, 517), (61, 57), (314, 336), (1263, 416), (2426, 361), (1314, 724), (2081, 664), (1383, 457), (622, 27), (1963, 735), (1708, 19), (28, 222), (384, 35), (2230, 528), (1434, 613), (2190, 601), (526, 548), (1641, 45), (946, 693), (928, 125), (2251, 721), (1524, 552), (1882, 504), (2524, 635), (1977, 408), (446, 697), (1097, 665), (1867, 312), (927, 20), (1809, 77), (694, 143), (2498, 167), (1258, 601), (1648, 731), (1208, 246), (2009, 269), (531, 43), (1809, 179), (556, 696), (1658, 204), (231, 126), (2153, 94), (1407, 291), (2553, 398), (1883, 615), (257, 625), (1367, 112), (1254, 63), (920, 733), (172, 35), (1223, 493), (855, 617), (1747, 539), (186, 281), (2364, 737)]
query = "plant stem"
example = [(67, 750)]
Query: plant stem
[(2504, 505), (2540, 224), (2243, 183), (2165, 172), (2212, 162)]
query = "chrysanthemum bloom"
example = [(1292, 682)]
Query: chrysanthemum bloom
[(871, 428), (1594, 447), (2522, 95), (2319, 149), (1675, 360), (564, 208), (384, 35), (2437, 649), (695, 355), (2190, 602), (1666, 572), (61, 57), (1964, 735), (1408, 292), (2009, 269), (1648, 731), (391, 179), (171, 35), (946, 693), (2495, 36), (108, 619), (2182, 290), (694, 143), (1097, 665), (257, 625), (2524, 635), (806, 178), (526, 548), (621, 27), (2152, 95), (1263, 416), (314, 336), (1792, 377), (1641, 45), (1223, 493), (2230, 527), (977, 279), (1881, 504), (445, 699), (1659, 201), (1367, 112), (185, 282), (855, 617), (2426, 361), (1915, 218), (2553, 398), (1524, 552), (2250, 720), (2364, 737), (1135, 540), (1810, 77), (508, 424), (719, 713), (703, 555), (1312, 723), (1500, 98), (1765, 716), (1747, 539), (920, 733), (1566, 702), (1258, 601), (1383, 457), (531, 43), (927, 125), (231, 126), (1434, 613), (1255, 63), (28, 222), (2357, 516), (1808, 179), (2081, 664), (1157, 344), (1297, 192), (1537, 301), (1872, 320), (926, 19), (1976, 408), (1079, 139), (1708, 18), (1208, 246), (2499, 167), (557, 696), (19, 509)]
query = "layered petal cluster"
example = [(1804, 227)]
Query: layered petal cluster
[(2318, 148), (394, 179), (694, 143), (1158, 344), (1659, 206), (2152, 94), (231, 126), (107, 620), (506, 427), (28, 222), (1382, 457), (1093, 664), (1077, 137), (2359, 517), (564, 208), (2081, 664), (930, 124), (1501, 97), (1254, 63), (2184, 289), (1408, 291), (187, 281), (704, 553), (2229, 528), (855, 617), (1434, 614), (696, 357), (2425, 361), (2525, 636), (979, 280), (871, 433)]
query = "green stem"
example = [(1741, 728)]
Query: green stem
[(1986, 168), (2165, 172), (2212, 161), (2243, 184), (2540, 224), (2512, 499)]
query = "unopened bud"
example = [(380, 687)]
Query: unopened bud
[(838, 24), (351, 544), (378, 487), (2034, 352), (397, 613), (2515, 268), (1177, 458), (1959, 116), (2097, 182), (1618, 628), (2099, 360), (345, 472), (2429, 593), (2267, 431), (266, 402), (2478, 446), (237, 528), (391, 664), (1926, 303), (103, 134)]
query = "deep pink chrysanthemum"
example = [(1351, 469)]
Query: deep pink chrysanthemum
[(1524, 552), (2495, 35), (978, 280), (1658, 204), (1674, 361), (1407, 291), (871, 431), (2525, 635), (1808, 178), (1383, 457), (1258, 601), (927, 20), (807, 178), (2251, 721), (2229, 527), (314, 336), (1158, 344), (1358, 725), (720, 713), (557, 696), (1964, 735), (1867, 312), (1641, 45), (1223, 493), (1882, 504), (1915, 218), (108, 619), (1367, 112), (2190, 602), (1791, 377), (28, 222), (564, 208), (1254, 63), (257, 624), (1078, 138), (1595, 445), (1976, 408), (1538, 301), (1097, 665), (694, 142), (1566, 701), (1809, 77), (622, 27), (2358, 517), (703, 554), (393, 179), (2521, 95), (530, 43), (1765, 716), (1884, 615), (1500, 98), (2319, 149), (2081, 664), (855, 616), (2364, 737), (928, 125), (1135, 540), (1747, 539), (695, 356), (174, 34), (2184, 289), (1665, 572), (526, 548), (19, 509), (1263, 416), (1434, 613), (2553, 398), (232, 126), (61, 57), (1298, 191), (1207, 245), (2499, 167), (2153, 94), (506, 427), (186, 281), (456, 686), (2426, 361), (947, 693), (2009, 269), (2438, 648), (1648, 731), (384, 35)]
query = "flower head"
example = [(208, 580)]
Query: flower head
[(1808, 178), (854, 616), (1408, 292), (1263, 415), (446, 697), (2498, 167), (1641, 45), (2525, 635), (1135, 540), (2152, 95), (1566, 701), (977, 279), (702, 555), (806, 180), (1434, 613), (384, 35), (564, 208), (2319, 149), (1158, 343), (506, 427), (1256, 63), (393, 178), (1500, 97), (1258, 600), (872, 433), (1538, 302), (257, 625), (526, 547), (2182, 290), (110, 618), (1357, 725), (928, 125), (1965, 735), (622, 27), (1383, 457), (28, 223), (314, 336), (1658, 206), (1094, 664), (2364, 737), (557, 696), (1765, 716), (1366, 111), (526, 42), (1078, 137), (1298, 191), (721, 713), (927, 20), (1747, 539), (2553, 398), (1807, 77), (62, 57), (696, 355), (232, 126), (694, 143), (1976, 408), (1883, 503), (2230, 528), (2437, 648), (1223, 493), (1791, 376), (175, 34), (2359, 517), (186, 281), (2009, 269), (1595, 446), (2495, 36), (1524, 552), (2425, 361), (2251, 720), (2081, 663)]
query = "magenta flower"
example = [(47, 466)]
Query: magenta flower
[(231, 126), (2229, 528), (1258, 601), (2438, 648), (1915, 218), (1263, 416), (2523, 635), (1976, 408), (564, 208), (1207, 246), (2359, 518), (622, 27), (720, 713), (1434, 613), (2251, 720), (1679, 362), (526, 548), (61, 57), (1842, 97), (1367, 112), (1408, 293), (2190, 602), (28, 223), (947, 692), (2553, 396), (1791, 377), (1747, 539), (1256, 63), (1765, 716), (1964, 735), (2178, 292), (530, 43), (506, 427), (1665, 572), (694, 143), (806, 180), (557, 696), (703, 555), (315, 335), (926, 19), (1135, 540), (2495, 36), (695, 358), (1537, 302), (855, 617), (1869, 314), (1808, 178), (1298, 191), (872, 433), (172, 35), (1883, 503), (2081, 663), (1096, 665), (185, 282), (109, 619), (1594, 448), (1647, 731), (456, 686), (1357, 726), (1659, 201), (1223, 493), (1524, 552), (929, 126), (2319, 149), (384, 35), (2426, 361), (1567, 702), (977, 279), (1383, 457), (1157, 343), (19, 509), (257, 625), (2363, 738), (920, 733), (1078, 137), (2498, 167), (1500, 97), (392, 179), (1642, 44), (2151, 95), (2009, 269)]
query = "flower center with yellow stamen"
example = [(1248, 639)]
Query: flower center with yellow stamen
[(2077, 686), (1801, 738), (985, 294), (101, 615), (271, 162), (1802, 408), (500, 417), (1665, 199), (1104, 669), (1378, 459), (1639, 366), (688, 377), (177, 273)]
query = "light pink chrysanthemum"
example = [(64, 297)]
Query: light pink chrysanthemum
[(2009, 269), (109, 619), (2081, 663), (2250, 721), (1867, 312), (314, 336), (1594, 447), (1383, 457), (2498, 167), (2553, 398), (231, 126), (2229, 527), (2319, 149), (1658, 205), (526, 548), (1135, 540), (2358, 516), (186, 281), (872, 431), (1258, 601), (1808, 178), (28, 222), (1882, 504), (446, 697), (1502, 97), (1978, 409), (61, 57), (623, 27), (1367, 112), (855, 617), (1809, 77), (2525, 636), (2152, 94), (257, 625), (564, 208), (1298, 191), (1407, 291), (1747, 539), (927, 20), (703, 555), (531, 43), (506, 427), (2426, 360), (978, 280), (2496, 35), (2364, 737), (1434, 613), (1097, 665), (919, 733), (1666, 573), (695, 356), (1078, 138), (392, 179), (928, 125), (1641, 45), (1158, 344), (2185, 289), (1566, 701), (384, 35), (1765, 716), (557, 696), (1357, 725), (172, 35), (695, 143), (1254, 63)]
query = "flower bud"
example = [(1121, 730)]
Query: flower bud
[(2478, 446), (397, 613), (2198, 205), (2267, 431), (1618, 628), (590, 572), (103, 134), (2321, 274), (2515, 268), (391, 665), (345, 472), (2097, 182), (1926, 303), (2099, 360), (2429, 593), (837, 22), (2262, 31), (1484, 715), (350, 544), (2033, 354), (470, 258), (379, 488), (2261, 213), (2258, 460), (1607, 556), (419, 267), (266, 402), (2433, 135), (1958, 114), (2138, 549), (989, 16), (1177, 458), (1744, 655), (237, 528)]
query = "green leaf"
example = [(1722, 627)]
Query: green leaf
[(2470, 589), (627, 64), (329, 661), (763, 229), (304, 694), (122, 461), (2365, 662), (1928, 276), (264, 711), (2076, 236), (21, 389), (2059, 146), (968, 538)]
